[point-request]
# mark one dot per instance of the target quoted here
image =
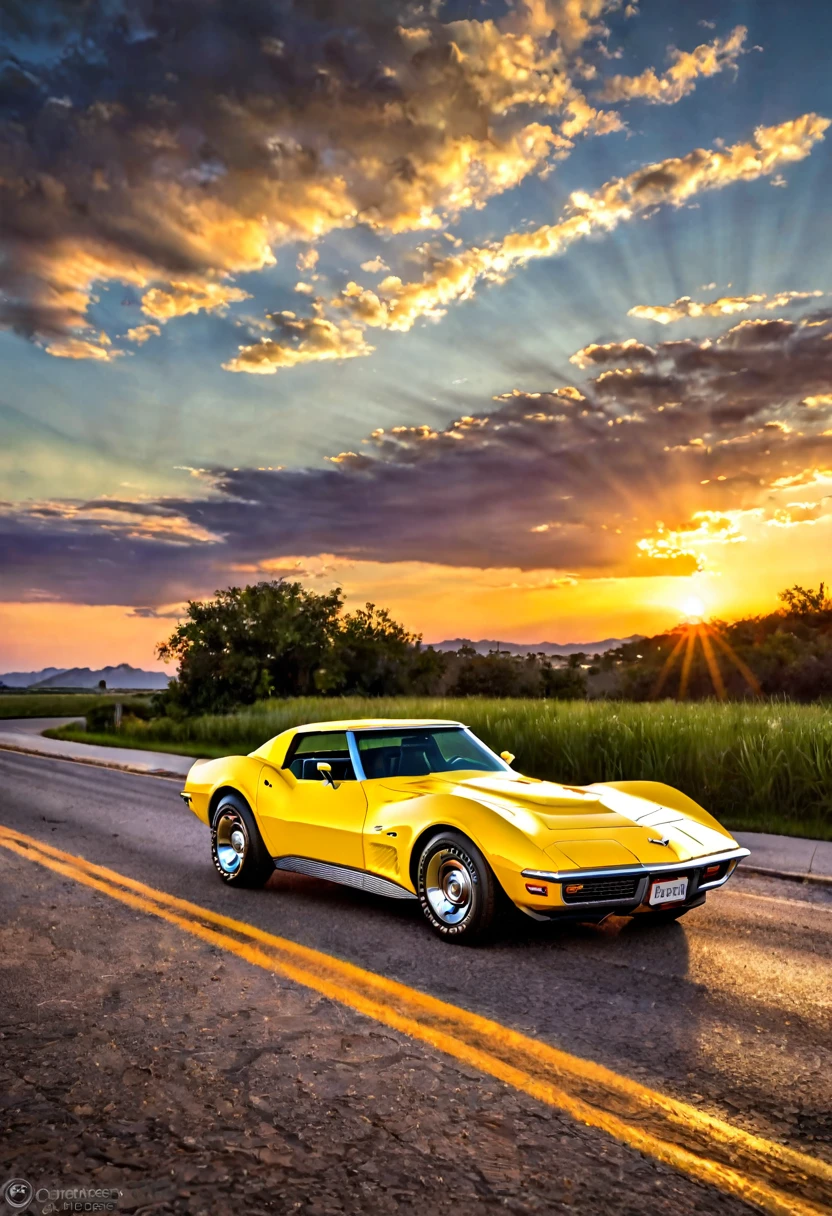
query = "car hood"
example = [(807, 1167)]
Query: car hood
[(588, 826)]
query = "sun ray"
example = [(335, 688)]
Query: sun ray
[(741, 667), (686, 664), (710, 659), (668, 663)]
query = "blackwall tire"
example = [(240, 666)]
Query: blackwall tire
[(457, 889), (240, 857)]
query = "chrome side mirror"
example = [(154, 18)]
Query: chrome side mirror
[(325, 770), (507, 756)]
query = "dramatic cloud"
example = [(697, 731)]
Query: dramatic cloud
[(172, 146), (646, 467), (724, 306), (180, 299), (398, 305), (310, 339), (680, 78), (631, 351)]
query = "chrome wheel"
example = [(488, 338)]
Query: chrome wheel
[(231, 842), (449, 888)]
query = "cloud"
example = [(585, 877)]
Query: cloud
[(100, 350), (703, 528), (307, 340), (583, 119), (644, 469), (142, 333), (631, 351), (179, 146), (723, 306), (397, 305), (680, 78), (180, 299), (376, 265), (307, 259), (153, 614)]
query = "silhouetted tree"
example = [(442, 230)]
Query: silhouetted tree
[(803, 601), (269, 639)]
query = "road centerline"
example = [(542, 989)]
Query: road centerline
[(752, 1168)]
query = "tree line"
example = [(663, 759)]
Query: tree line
[(279, 639), (785, 653)]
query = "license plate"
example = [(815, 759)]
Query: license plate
[(670, 892)]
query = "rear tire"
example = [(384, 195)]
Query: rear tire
[(239, 854), (457, 888)]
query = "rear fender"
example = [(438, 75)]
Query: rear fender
[(207, 777)]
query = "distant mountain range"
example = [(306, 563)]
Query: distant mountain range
[(549, 648), (122, 676)]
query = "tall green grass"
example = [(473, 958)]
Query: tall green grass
[(766, 767), (54, 704)]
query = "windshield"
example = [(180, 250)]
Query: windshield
[(417, 751)]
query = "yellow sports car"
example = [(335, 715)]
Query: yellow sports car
[(424, 810)]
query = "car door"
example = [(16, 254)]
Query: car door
[(321, 820)]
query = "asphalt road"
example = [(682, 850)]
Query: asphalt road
[(730, 1010)]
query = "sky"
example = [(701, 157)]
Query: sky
[(514, 318)]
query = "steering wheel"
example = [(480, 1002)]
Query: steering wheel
[(462, 762)]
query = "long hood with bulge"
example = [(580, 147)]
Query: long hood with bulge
[(595, 825)]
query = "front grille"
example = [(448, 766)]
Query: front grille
[(593, 890)]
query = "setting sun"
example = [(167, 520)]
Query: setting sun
[(693, 608)]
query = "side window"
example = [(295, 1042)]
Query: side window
[(308, 749)]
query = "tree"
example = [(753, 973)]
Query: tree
[(102, 684), (268, 639), (496, 674), (563, 684), (803, 601), (372, 655)]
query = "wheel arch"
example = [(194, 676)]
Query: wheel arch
[(421, 840), (217, 797)]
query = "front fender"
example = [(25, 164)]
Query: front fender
[(506, 847), (240, 773)]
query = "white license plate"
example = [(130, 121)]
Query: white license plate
[(670, 892)]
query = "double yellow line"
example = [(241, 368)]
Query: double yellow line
[(777, 1179)]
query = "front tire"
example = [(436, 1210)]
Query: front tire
[(239, 854), (456, 888)]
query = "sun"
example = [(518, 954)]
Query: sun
[(693, 608)]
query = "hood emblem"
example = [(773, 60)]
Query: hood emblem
[(664, 840)]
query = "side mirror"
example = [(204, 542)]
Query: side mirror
[(507, 756), (325, 770)]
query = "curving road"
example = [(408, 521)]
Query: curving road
[(730, 1011)]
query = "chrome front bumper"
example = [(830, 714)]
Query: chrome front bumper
[(645, 874)]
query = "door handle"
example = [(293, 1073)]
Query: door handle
[(392, 833)]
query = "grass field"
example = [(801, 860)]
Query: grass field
[(53, 704), (764, 767)]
